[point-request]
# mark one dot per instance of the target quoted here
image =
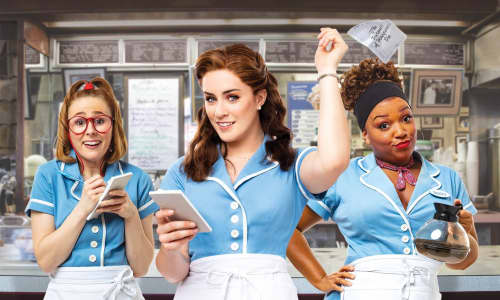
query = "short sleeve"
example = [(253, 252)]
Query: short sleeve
[(42, 194), (145, 204), (460, 192), (174, 179), (326, 206), (306, 194)]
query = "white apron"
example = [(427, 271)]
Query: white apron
[(237, 277), (394, 277), (99, 283)]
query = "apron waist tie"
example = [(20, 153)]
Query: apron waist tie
[(409, 276), (121, 283), (228, 276)]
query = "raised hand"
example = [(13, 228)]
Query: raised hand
[(331, 49)]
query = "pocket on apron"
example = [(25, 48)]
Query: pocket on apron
[(68, 291), (363, 294), (284, 286)]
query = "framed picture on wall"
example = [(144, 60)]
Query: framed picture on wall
[(436, 92), (462, 120), (432, 122), (437, 142), (31, 94), (73, 75), (460, 138)]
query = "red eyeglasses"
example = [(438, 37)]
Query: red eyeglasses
[(102, 124)]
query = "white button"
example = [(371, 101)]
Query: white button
[(235, 233), (406, 250), (93, 244), (235, 246), (92, 258), (235, 219), (234, 205), (404, 227), (95, 229), (405, 239)]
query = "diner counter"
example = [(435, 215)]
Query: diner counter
[(482, 276)]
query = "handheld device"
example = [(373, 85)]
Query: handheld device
[(183, 208), (115, 183)]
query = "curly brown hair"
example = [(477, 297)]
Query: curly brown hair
[(360, 77), (102, 89), (249, 66)]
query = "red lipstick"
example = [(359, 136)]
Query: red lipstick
[(403, 145)]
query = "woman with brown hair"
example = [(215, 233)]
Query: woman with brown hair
[(96, 258), (243, 176), (382, 199)]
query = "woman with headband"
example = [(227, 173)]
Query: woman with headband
[(97, 258), (382, 199), (245, 179)]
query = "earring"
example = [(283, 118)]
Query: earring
[(259, 107)]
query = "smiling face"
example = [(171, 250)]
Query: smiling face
[(231, 106), (390, 131), (91, 145)]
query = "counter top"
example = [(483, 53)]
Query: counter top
[(482, 276)]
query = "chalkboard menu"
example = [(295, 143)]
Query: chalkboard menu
[(31, 56), (448, 54), (88, 52), (358, 52), (304, 51), (290, 51), (156, 51), (204, 45), (3, 58)]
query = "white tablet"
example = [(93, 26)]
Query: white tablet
[(118, 182), (184, 210)]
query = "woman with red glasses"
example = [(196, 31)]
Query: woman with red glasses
[(96, 258)]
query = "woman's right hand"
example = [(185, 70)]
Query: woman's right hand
[(92, 190), (335, 281), (174, 235), (325, 59)]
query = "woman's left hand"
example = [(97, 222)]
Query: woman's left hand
[(465, 218), (119, 204), (327, 60)]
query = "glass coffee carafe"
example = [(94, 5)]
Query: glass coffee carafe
[(443, 238)]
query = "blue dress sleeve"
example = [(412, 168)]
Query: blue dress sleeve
[(174, 179), (306, 195), (145, 204), (460, 192), (42, 194), (326, 206)]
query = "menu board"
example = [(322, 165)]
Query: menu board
[(31, 56), (153, 122), (358, 52), (304, 51), (88, 52), (156, 51), (290, 51), (425, 53), (303, 112), (204, 45), (3, 58)]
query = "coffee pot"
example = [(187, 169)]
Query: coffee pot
[(442, 238)]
